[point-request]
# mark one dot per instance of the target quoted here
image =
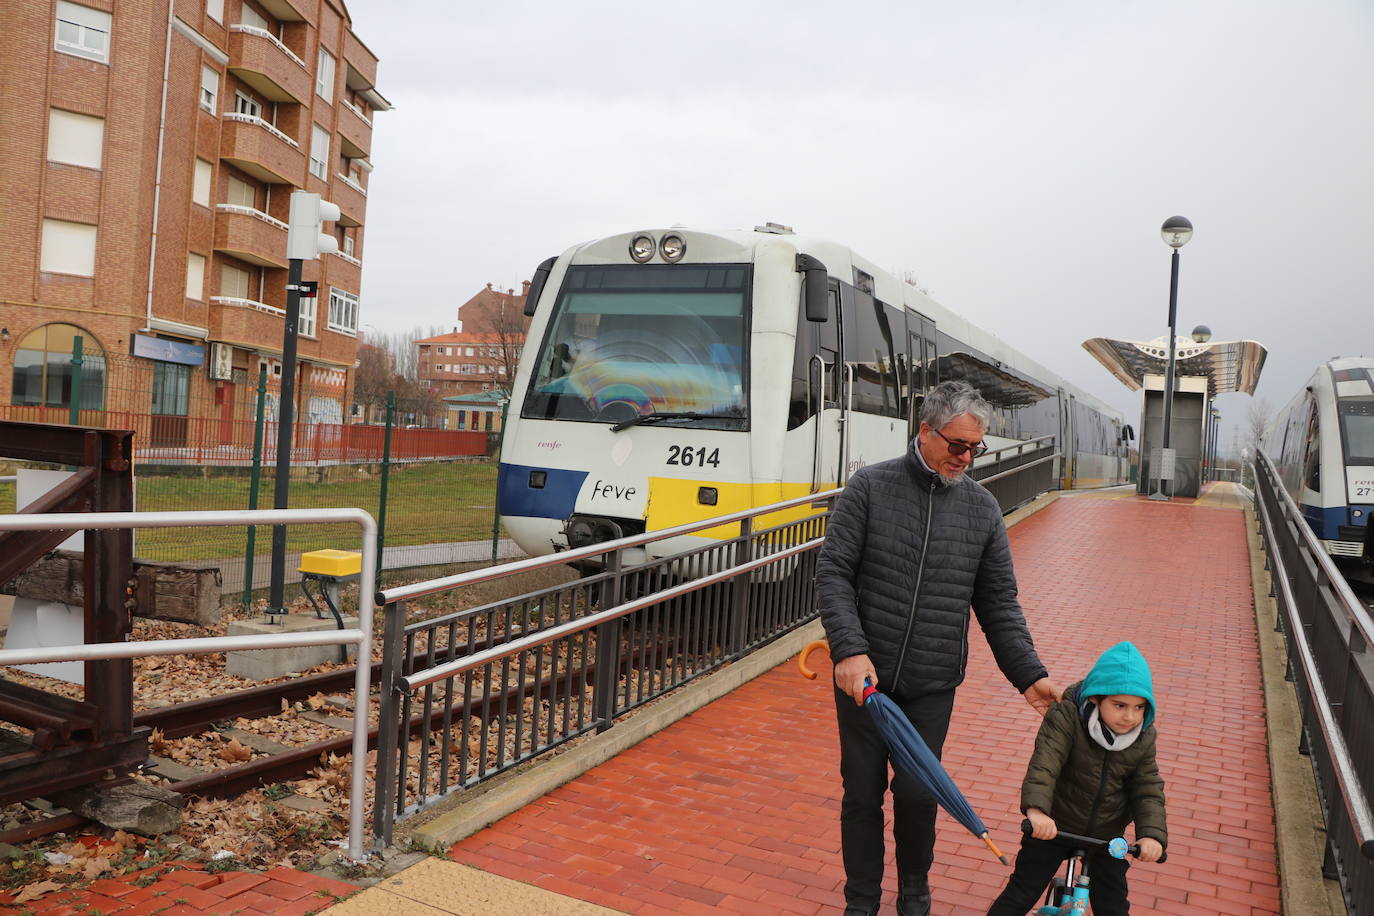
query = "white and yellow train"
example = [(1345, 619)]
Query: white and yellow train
[(676, 375)]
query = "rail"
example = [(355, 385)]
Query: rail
[(471, 694), (360, 637), (1328, 633)]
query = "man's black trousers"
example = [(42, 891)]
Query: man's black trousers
[(1039, 861), (864, 769)]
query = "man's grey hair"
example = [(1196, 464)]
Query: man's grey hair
[(948, 400)]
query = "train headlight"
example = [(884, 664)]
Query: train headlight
[(538, 479), (672, 247), (642, 248), (1358, 513)]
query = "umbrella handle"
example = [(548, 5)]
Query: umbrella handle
[(805, 669), (995, 851)]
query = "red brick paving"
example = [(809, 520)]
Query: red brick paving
[(734, 809), (185, 888)]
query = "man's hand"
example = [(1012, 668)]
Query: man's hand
[(1043, 826), (850, 674), (1150, 850), (1043, 694)]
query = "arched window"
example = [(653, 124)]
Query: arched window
[(43, 368)]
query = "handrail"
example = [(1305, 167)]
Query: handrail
[(248, 304), (434, 586), (360, 637), (254, 119), (263, 33), (1019, 446), (1018, 469), (1347, 780), (516, 646), (1353, 606), (253, 212)]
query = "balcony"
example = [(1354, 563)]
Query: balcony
[(258, 148), (270, 67), (355, 130), (250, 235), (351, 198), (244, 321), (341, 270)]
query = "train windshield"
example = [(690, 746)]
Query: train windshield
[(628, 342), (1357, 429)]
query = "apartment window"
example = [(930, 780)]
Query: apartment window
[(209, 88), (43, 370), (246, 105), (343, 311), (241, 193), (324, 76), (195, 276), (83, 31), (306, 326), (319, 153), (68, 248), (250, 16), (200, 183), (233, 282), (75, 139), (215, 9), (348, 244)]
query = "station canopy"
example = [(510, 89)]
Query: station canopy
[(1229, 365)]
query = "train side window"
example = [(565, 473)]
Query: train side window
[(1312, 460), (869, 351)]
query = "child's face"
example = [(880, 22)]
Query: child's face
[(1121, 712)]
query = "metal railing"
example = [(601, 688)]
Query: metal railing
[(1002, 471), (361, 637), (1329, 634), (508, 681)]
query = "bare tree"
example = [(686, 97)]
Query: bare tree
[(401, 345), (505, 324)]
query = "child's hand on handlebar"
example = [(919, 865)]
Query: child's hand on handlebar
[(1043, 826), (1150, 850)]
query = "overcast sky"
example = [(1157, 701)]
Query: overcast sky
[(1019, 158)]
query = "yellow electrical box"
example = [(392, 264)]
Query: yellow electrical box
[(335, 563)]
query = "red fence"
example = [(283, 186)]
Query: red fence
[(162, 439)]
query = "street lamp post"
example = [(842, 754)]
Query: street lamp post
[(1176, 231)]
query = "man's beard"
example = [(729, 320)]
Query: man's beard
[(944, 481)]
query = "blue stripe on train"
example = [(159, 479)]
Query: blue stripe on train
[(557, 498), (1326, 522)]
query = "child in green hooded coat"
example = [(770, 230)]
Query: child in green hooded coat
[(1093, 772)]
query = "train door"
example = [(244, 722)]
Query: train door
[(921, 361), (819, 395), (1066, 442)]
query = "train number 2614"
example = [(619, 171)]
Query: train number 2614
[(687, 456)]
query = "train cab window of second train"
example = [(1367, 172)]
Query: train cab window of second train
[(1357, 431), (631, 341)]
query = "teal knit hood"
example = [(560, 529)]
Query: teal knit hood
[(1121, 670)]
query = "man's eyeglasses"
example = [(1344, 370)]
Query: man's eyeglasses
[(958, 448)]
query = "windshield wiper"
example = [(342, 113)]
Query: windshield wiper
[(657, 416)]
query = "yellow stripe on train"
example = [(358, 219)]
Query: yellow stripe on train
[(673, 501)]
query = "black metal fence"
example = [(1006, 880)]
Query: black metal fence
[(468, 695), (1329, 634), (1018, 473)]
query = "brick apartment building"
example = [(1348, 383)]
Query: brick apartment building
[(482, 355), (149, 151)]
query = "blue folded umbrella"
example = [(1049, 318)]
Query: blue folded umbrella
[(913, 756)]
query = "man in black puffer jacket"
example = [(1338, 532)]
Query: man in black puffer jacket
[(911, 545)]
